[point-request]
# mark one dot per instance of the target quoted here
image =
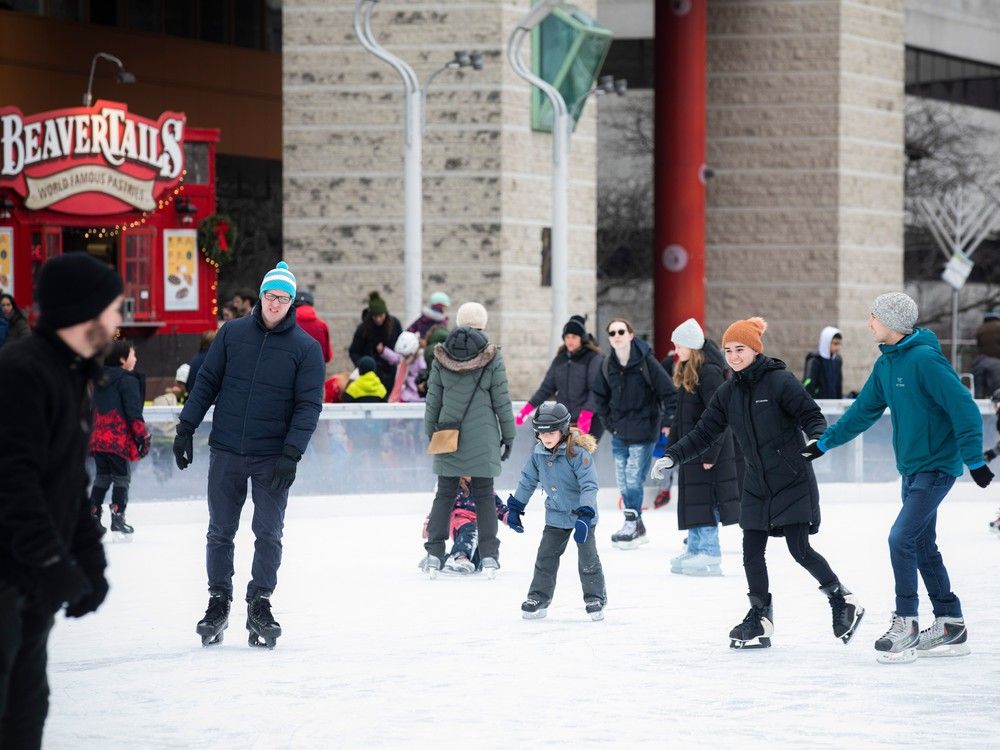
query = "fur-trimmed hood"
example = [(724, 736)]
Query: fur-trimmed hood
[(586, 441), (478, 361)]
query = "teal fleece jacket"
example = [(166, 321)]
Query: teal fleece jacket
[(936, 426)]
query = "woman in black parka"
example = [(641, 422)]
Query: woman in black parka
[(378, 330), (570, 379), (708, 492), (768, 410)]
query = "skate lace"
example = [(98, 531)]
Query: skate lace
[(839, 604), (897, 629), (216, 608), (262, 610), (628, 528), (934, 631)]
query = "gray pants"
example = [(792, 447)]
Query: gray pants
[(486, 516), (554, 542)]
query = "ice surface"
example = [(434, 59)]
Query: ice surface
[(374, 655)]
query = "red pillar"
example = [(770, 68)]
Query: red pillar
[(678, 172)]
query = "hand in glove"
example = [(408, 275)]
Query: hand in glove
[(812, 451), (284, 468), (142, 444), (660, 465), (184, 445), (62, 582), (523, 414), (584, 522), (982, 475), (514, 511), (989, 455), (505, 451), (585, 420), (90, 602)]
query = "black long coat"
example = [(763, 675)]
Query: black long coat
[(768, 410), (703, 490), (44, 504)]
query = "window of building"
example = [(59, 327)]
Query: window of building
[(104, 12), (934, 75), (631, 59), (213, 20), (142, 15)]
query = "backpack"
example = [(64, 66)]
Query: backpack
[(811, 386)]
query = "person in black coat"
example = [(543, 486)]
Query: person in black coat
[(50, 546), (378, 330), (265, 376), (768, 410), (570, 379), (708, 493), (635, 399)]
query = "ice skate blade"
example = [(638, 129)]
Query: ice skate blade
[(846, 637), (597, 616), (491, 573), (950, 649), (706, 572), (120, 537), (761, 642), (536, 615), (907, 656), (258, 642), (209, 636), (631, 544)]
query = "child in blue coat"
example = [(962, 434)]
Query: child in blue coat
[(562, 463)]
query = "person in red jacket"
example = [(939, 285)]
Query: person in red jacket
[(311, 323)]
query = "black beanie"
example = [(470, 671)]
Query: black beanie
[(366, 364), (576, 325), (74, 288)]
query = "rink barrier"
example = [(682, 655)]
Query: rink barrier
[(380, 448)]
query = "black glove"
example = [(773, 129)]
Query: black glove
[(142, 445), (989, 455), (982, 475), (184, 445), (505, 451), (62, 582), (284, 468), (812, 451), (90, 602)]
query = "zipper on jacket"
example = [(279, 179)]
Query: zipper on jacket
[(756, 448), (253, 379)]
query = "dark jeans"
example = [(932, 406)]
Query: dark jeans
[(554, 541), (486, 516), (913, 546), (797, 539), (111, 469), (227, 492), (24, 686), (466, 542)]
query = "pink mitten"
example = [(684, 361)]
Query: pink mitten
[(523, 414), (584, 420)]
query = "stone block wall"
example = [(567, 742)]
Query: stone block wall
[(486, 175)]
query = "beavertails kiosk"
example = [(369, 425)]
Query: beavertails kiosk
[(128, 190)]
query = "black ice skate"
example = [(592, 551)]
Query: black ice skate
[(118, 524), (757, 627), (632, 533), (846, 612), (216, 618), (532, 609), (595, 608), (264, 631)]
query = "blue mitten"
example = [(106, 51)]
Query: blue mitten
[(584, 522), (514, 510)]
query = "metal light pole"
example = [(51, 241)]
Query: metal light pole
[(412, 178), (462, 59), (561, 124), (122, 75)]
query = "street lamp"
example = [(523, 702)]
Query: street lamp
[(561, 123), (462, 59), (605, 85), (121, 75)]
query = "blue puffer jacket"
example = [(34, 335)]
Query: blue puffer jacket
[(568, 483), (936, 425), (267, 387)]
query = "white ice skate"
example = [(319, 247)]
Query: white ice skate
[(491, 567), (899, 644), (675, 562), (459, 565), (430, 565), (946, 637), (700, 565)]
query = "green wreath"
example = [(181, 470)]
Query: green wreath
[(217, 238)]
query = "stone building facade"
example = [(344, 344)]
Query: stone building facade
[(486, 174)]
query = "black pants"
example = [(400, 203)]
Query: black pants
[(553, 544), (24, 686), (227, 492), (111, 469), (797, 538), (486, 516)]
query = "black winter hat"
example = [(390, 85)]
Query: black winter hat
[(74, 288), (463, 344), (576, 325), (366, 364)]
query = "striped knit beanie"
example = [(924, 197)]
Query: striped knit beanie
[(280, 279), (746, 332)]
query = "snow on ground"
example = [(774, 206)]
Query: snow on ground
[(374, 655)]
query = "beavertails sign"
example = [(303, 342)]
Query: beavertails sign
[(91, 160)]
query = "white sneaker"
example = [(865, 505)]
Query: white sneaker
[(701, 565)]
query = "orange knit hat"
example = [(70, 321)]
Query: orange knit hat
[(746, 332)]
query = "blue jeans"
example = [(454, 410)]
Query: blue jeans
[(704, 540), (912, 546), (631, 466)]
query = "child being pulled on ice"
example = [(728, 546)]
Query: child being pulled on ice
[(993, 452), (562, 463), (464, 556)]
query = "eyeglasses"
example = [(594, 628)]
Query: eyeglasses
[(281, 299), (619, 332)]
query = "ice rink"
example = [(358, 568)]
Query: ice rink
[(375, 655)]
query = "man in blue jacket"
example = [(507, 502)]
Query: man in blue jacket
[(265, 376), (936, 428)]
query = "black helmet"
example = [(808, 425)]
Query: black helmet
[(551, 417)]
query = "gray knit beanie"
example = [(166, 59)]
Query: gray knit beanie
[(896, 310)]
